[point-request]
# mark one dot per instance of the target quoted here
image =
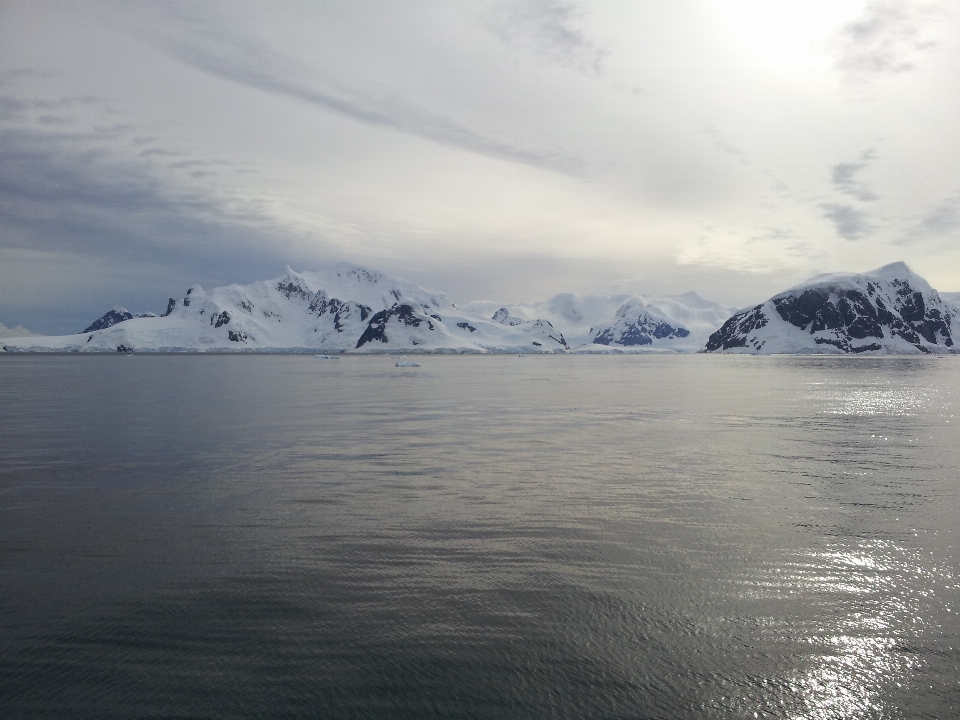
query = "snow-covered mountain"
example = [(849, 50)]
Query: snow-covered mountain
[(116, 315), (891, 310), (343, 307), (619, 323)]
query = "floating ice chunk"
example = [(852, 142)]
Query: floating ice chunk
[(408, 364), (325, 357)]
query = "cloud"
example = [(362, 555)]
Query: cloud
[(83, 226), (76, 191), (942, 219), (241, 57), (721, 143), (884, 41), (551, 29), (850, 223), (844, 175)]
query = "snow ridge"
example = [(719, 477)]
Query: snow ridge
[(619, 323)]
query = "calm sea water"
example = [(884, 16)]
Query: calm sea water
[(480, 537)]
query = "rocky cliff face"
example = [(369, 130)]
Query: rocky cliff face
[(888, 310)]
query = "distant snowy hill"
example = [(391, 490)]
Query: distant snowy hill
[(891, 310), (341, 308), (18, 331), (619, 323)]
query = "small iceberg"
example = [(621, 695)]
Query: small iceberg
[(325, 357), (407, 363)]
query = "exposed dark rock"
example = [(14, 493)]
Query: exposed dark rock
[(221, 319), (377, 327), (642, 331), (466, 326), (733, 333), (171, 304), (248, 306), (124, 349), (109, 319), (291, 289), (338, 309), (238, 336)]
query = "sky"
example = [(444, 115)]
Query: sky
[(493, 150)]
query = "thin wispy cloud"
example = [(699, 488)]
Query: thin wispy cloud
[(849, 222), (943, 219), (845, 177), (243, 58), (721, 143), (551, 29), (887, 39)]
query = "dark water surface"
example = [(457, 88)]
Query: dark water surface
[(480, 537)]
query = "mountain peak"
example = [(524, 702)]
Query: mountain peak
[(895, 270), (888, 310)]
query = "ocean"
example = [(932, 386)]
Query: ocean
[(647, 536)]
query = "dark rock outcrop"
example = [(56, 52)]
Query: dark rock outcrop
[(376, 329)]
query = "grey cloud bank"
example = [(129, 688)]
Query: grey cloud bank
[(508, 150)]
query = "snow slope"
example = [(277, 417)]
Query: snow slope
[(890, 310), (341, 308), (620, 323)]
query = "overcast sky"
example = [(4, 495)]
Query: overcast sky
[(492, 150)]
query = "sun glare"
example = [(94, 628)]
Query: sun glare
[(779, 35)]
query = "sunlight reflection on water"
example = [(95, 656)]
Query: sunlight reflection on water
[(555, 537), (840, 399)]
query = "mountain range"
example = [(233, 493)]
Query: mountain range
[(348, 308)]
